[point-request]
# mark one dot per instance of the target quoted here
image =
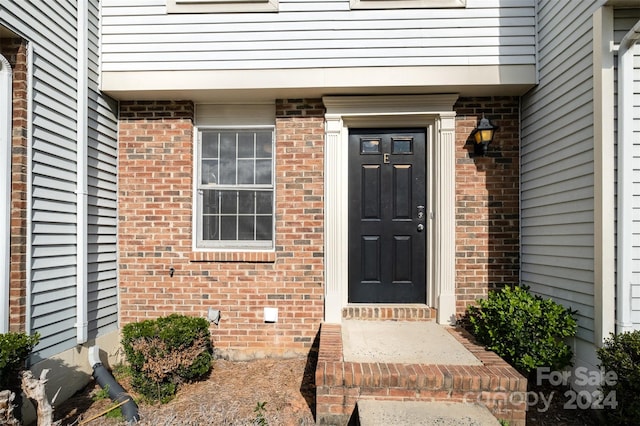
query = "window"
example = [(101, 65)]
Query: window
[(221, 6), (235, 206), (405, 4)]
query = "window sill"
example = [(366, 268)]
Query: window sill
[(233, 256), (406, 4), (221, 6)]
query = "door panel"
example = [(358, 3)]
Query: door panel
[(387, 247)]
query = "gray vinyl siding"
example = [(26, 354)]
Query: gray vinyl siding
[(557, 196), (102, 190), (50, 29), (138, 35), (624, 19)]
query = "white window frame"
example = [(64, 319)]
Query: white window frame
[(406, 4), (235, 245), (221, 6)]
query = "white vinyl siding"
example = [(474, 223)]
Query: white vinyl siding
[(635, 289), (50, 29), (557, 169), (624, 19), (141, 36)]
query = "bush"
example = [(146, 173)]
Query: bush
[(526, 330), (621, 354), (14, 350), (165, 352)]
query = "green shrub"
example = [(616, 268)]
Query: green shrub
[(621, 354), (526, 330), (14, 350), (165, 352)]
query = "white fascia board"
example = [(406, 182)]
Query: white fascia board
[(200, 84)]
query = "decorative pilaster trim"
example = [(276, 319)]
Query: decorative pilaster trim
[(336, 204), (445, 218)]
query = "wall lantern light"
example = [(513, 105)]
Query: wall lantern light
[(483, 135)]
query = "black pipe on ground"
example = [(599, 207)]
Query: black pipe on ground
[(116, 392)]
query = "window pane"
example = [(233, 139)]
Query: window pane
[(209, 173), (246, 202), (210, 202), (210, 228), (264, 144), (228, 228), (245, 227), (370, 146), (264, 228), (263, 171), (210, 144), (401, 146), (228, 158), (236, 160), (229, 202), (264, 202), (245, 171), (245, 145)]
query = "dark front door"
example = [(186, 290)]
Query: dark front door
[(387, 216)]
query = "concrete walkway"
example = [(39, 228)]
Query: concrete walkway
[(409, 342), (418, 413)]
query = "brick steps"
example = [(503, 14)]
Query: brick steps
[(340, 385)]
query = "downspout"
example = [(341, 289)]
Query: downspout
[(6, 100), (81, 167), (116, 392), (625, 187), (29, 225)]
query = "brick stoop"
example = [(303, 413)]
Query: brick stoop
[(340, 384), (389, 312)]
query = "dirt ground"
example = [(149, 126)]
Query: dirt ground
[(230, 395)]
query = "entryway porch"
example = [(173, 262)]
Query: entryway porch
[(398, 353)]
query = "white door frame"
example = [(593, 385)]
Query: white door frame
[(432, 112)]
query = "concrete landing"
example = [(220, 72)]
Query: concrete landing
[(403, 342), (418, 413)]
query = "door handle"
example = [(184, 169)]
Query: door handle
[(420, 227)]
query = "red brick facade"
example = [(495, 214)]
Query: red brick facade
[(155, 228), (14, 50), (155, 208), (487, 200)]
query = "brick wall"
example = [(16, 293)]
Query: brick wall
[(487, 200), (14, 50), (155, 233)]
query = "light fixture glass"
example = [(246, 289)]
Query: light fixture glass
[(483, 135)]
